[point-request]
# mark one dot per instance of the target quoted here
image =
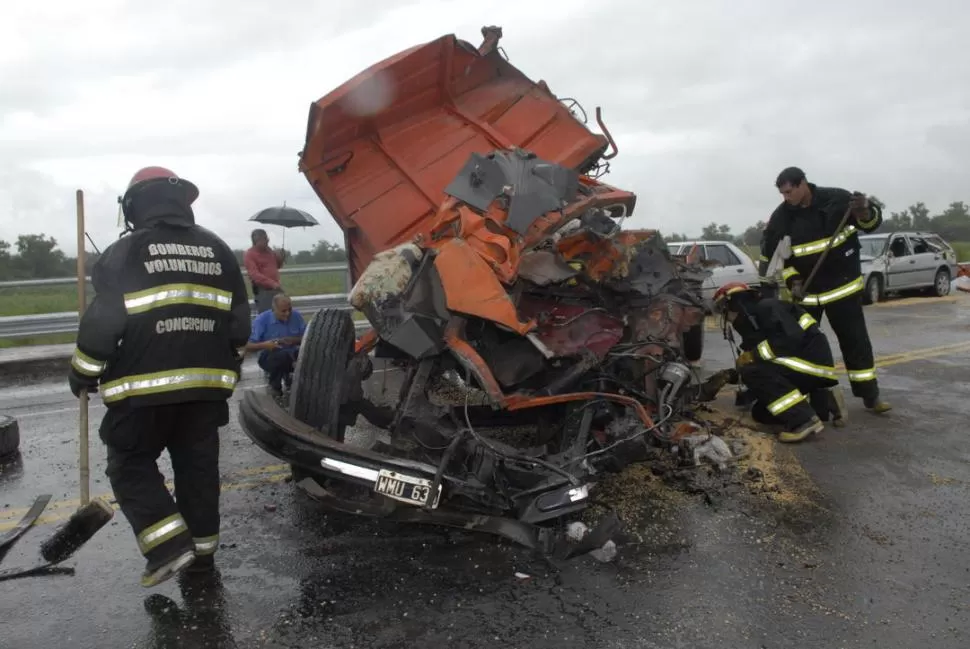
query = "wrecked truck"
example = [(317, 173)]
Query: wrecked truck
[(541, 344)]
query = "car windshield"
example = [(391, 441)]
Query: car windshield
[(872, 247)]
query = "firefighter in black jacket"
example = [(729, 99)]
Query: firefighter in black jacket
[(811, 216), (786, 362), (160, 342)]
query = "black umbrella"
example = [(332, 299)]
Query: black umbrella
[(287, 217)]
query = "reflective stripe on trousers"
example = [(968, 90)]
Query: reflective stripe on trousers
[(782, 404), (206, 544), (795, 363), (860, 376), (154, 535), (87, 365), (821, 299), (806, 321), (159, 296), (160, 382)]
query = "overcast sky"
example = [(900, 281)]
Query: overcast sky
[(707, 99)]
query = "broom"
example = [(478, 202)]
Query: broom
[(91, 516)]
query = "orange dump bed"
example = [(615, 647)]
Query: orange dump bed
[(381, 148)]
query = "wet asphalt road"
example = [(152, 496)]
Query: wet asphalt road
[(879, 559)]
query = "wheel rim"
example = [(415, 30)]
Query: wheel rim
[(874, 290), (942, 284)]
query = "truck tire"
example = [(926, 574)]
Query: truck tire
[(941, 283), (873, 292), (694, 342), (319, 384), (9, 437)]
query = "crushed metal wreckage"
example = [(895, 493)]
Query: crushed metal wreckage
[(541, 344)]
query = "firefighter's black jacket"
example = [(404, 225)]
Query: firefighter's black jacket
[(785, 334), (810, 229), (169, 312)]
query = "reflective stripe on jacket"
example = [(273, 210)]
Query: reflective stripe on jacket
[(814, 228), (169, 311)]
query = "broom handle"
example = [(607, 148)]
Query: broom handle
[(83, 397), (825, 253)]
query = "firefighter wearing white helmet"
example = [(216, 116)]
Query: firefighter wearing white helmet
[(786, 362), (159, 342)]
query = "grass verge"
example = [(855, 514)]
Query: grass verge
[(31, 300), (34, 300)]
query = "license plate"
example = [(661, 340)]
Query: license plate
[(405, 488)]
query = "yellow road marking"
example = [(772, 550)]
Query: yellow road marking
[(266, 475), (273, 473), (920, 355), (906, 301), (916, 354), (713, 323), (57, 517), (259, 470)]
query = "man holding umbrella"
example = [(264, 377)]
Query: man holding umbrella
[(263, 265)]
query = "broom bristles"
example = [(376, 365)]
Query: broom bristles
[(77, 531)]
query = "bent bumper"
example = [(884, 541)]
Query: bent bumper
[(285, 437), (281, 435)]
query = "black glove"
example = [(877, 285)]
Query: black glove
[(80, 382), (859, 204), (237, 359)]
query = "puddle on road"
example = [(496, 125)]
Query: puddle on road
[(306, 575), (354, 581)]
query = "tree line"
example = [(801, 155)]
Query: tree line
[(36, 256), (953, 224)]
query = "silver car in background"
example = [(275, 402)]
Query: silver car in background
[(904, 260), (726, 261)]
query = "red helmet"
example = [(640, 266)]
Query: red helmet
[(147, 174), (724, 293)]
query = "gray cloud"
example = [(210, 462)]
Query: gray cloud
[(707, 99), (167, 42)]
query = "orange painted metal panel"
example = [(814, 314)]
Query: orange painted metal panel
[(381, 148)]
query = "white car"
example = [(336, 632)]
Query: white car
[(733, 264)]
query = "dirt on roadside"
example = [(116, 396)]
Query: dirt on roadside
[(764, 475)]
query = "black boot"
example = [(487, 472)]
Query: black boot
[(840, 413), (203, 563), (819, 399), (877, 405), (829, 404)]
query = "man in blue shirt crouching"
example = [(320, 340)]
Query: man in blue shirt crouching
[(277, 335)]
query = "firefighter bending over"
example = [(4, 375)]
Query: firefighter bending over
[(160, 341), (786, 362), (812, 216)]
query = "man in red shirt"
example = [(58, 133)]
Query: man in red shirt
[(263, 265)]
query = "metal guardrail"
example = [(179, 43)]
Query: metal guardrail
[(56, 281), (67, 322)]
